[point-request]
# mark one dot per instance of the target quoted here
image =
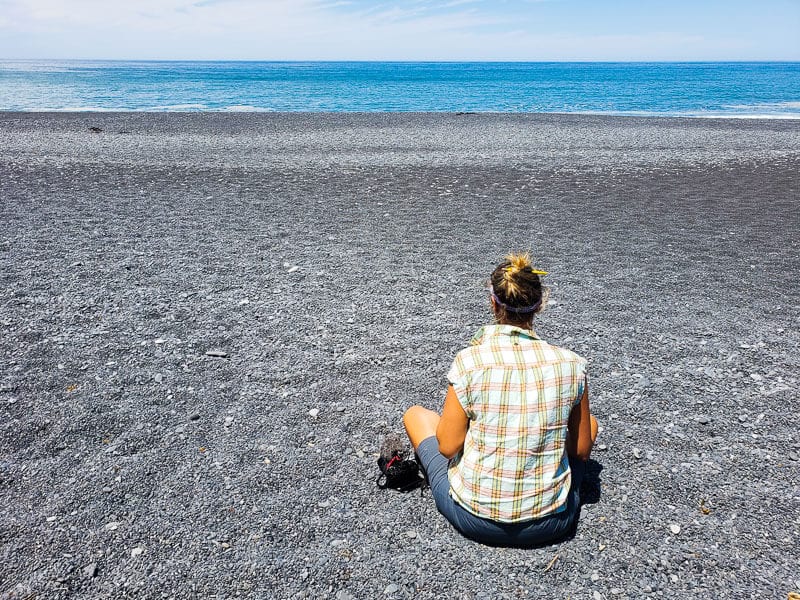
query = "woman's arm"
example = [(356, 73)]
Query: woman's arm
[(579, 428), (452, 428)]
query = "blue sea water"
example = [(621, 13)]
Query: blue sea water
[(661, 89)]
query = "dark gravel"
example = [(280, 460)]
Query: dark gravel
[(209, 322)]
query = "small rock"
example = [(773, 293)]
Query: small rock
[(616, 591), (138, 551), (293, 269), (597, 595), (360, 453), (106, 489), (411, 534), (324, 504), (703, 420), (51, 519), (743, 418), (794, 456), (343, 595), (755, 377), (601, 547), (113, 525), (391, 589), (313, 413), (595, 577), (602, 447), (217, 353), (228, 421), (160, 341), (90, 570), (244, 301), (194, 417), (675, 528), (158, 378), (637, 453)]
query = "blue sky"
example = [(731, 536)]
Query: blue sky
[(401, 30)]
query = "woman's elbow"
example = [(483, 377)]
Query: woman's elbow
[(448, 449)]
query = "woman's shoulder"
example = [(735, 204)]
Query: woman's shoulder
[(564, 354)]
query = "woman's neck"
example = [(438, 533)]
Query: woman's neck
[(528, 325)]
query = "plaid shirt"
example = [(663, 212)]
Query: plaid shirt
[(518, 392)]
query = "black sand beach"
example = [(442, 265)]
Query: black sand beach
[(337, 262)]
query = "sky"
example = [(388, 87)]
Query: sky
[(530, 30)]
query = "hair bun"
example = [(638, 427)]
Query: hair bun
[(518, 262)]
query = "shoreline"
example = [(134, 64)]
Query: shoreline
[(236, 109)]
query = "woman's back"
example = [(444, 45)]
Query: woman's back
[(518, 392)]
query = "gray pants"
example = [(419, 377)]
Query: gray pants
[(525, 534)]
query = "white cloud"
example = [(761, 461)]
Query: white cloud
[(327, 29)]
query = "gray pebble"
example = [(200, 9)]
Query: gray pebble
[(703, 420), (637, 453), (217, 353), (90, 570), (391, 589)]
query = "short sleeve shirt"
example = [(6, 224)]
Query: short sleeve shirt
[(518, 392)]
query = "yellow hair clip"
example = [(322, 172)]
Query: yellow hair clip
[(537, 272)]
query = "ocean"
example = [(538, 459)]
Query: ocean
[(743, 90)]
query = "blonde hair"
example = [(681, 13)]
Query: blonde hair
[(516, 284)]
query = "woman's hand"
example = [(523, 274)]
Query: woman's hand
[(452, 428)]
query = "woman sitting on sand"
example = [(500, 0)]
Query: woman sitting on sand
[(506, 458)]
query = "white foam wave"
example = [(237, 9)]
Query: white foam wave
[(76, 109), (175, 107), (778, 106), (697, 114), (246, 108)]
